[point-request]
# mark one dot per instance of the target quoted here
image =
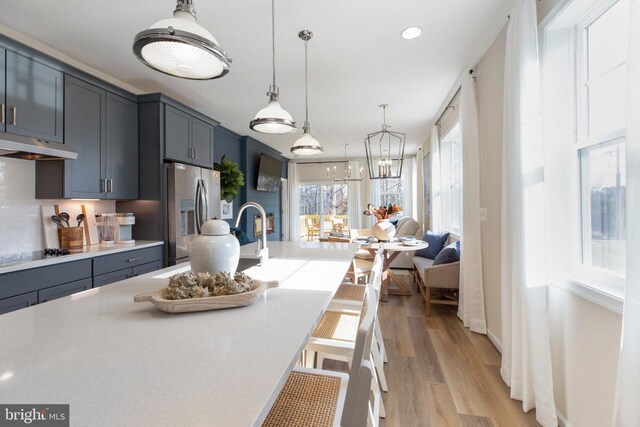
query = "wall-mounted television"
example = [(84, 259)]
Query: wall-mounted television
[(269, 174)]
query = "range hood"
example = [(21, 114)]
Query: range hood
[(21, 147)]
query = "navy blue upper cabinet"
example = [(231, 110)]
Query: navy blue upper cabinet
[(187, 138), (121, 148), (85, 113), (3, 105), (103, 129), (202, 143), (34, 99), (177, 125)]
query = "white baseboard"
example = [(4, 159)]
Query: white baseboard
[(562, 420), (494, 340)]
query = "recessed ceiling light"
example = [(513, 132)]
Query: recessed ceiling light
[(411, 33)]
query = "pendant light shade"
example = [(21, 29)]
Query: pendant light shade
[(273, 119), (180, 47), (385, 151), (306, 145)]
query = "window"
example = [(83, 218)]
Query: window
[(600, 146), (451, 171), (323, 208), (391, 192)]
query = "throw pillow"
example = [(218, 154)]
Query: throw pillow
[(242, 237), (449, 254), (436, 242)]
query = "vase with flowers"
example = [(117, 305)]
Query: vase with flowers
[(383, 229)]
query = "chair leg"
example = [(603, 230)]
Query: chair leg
[(380, 339), (379, 367)]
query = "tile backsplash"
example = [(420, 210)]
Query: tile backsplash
[(20, 212)]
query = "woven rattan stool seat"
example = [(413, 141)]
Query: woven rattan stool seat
[(350, 292), (337, 325), (305, 400)]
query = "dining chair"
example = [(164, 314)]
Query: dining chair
[(316, 397), (312, 229), (360, 268), (361, 233)]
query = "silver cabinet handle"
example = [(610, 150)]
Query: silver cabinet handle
[(195, 153), (14, 115), (134, 259), (2, 114), (103, 185), (109, 185)]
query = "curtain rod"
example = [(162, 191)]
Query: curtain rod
[(321, 163)]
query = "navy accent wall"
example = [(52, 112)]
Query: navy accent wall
[(246, 151), (228, 143), (252, 149)]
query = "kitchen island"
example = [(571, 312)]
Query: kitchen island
[(120, 363)]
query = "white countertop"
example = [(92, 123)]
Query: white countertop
[(91, 251), (121, 363)]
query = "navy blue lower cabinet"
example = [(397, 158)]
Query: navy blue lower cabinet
[(60, 291), (147, 268), (114, 276), (18, 302)]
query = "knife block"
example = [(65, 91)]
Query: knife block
[(71, 237)]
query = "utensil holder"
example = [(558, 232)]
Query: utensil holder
[(71, 237)]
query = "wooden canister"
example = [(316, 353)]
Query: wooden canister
[(71, 237)]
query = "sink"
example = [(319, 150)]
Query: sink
[(246, 263)]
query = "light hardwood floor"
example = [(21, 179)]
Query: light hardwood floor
[(439, 373)]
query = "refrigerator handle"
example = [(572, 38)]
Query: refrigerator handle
[(197, 208), (205, 195)]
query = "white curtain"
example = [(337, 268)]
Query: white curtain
[(471, 304), (294, 208), (627, 403), (526, 357), (408, 168), (420, 190), (355, 209), (436, 190)]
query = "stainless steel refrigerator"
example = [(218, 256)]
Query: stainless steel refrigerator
[(193, 197)]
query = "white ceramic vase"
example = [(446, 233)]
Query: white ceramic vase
[(383, 230), (215, 249)]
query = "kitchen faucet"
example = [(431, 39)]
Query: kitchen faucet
[(261, 252)]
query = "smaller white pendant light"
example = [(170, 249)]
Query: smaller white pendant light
[(306, 145), (273, 119), (180, 47)]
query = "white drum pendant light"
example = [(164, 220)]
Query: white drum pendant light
[(180, 47), (273, 119), (306, 145)]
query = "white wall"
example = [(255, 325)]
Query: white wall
[(489, 84), (20, 215), (585, 336)]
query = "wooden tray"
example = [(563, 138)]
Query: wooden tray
[(207, 303)]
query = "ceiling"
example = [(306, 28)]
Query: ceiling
[(357, 59)]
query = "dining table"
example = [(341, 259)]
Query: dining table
[(391, 250), (116, 362)]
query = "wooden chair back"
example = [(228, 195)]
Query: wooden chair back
[(356, 405), (375, 277)]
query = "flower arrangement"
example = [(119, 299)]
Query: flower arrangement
[(383, 212)]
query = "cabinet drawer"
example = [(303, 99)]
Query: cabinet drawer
[(108, 263), (114, 276), (147, 268), (21, 282), (60, 291), (18, 302)]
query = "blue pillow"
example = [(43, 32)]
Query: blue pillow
[(449, 254), (242, 237), (436, 243)]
